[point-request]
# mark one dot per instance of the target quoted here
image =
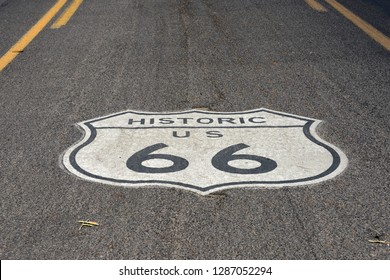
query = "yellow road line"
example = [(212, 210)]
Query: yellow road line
[(371, 31), (316, 6), (67, 14), (30, 35)]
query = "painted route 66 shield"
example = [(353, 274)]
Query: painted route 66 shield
[(203, 151)]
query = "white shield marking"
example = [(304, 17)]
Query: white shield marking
[(204, 151)]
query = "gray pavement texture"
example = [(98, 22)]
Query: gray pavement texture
[(173, 55)]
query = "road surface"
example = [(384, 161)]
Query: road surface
[(294, 56)]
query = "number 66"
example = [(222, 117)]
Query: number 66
[(219, 161)]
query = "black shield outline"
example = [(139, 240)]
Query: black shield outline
[(212, 188)]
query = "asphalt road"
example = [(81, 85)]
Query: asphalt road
[(175, 55)]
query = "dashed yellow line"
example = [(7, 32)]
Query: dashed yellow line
[(30, 35), (67, 14), (371, 31), (316, 6)]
